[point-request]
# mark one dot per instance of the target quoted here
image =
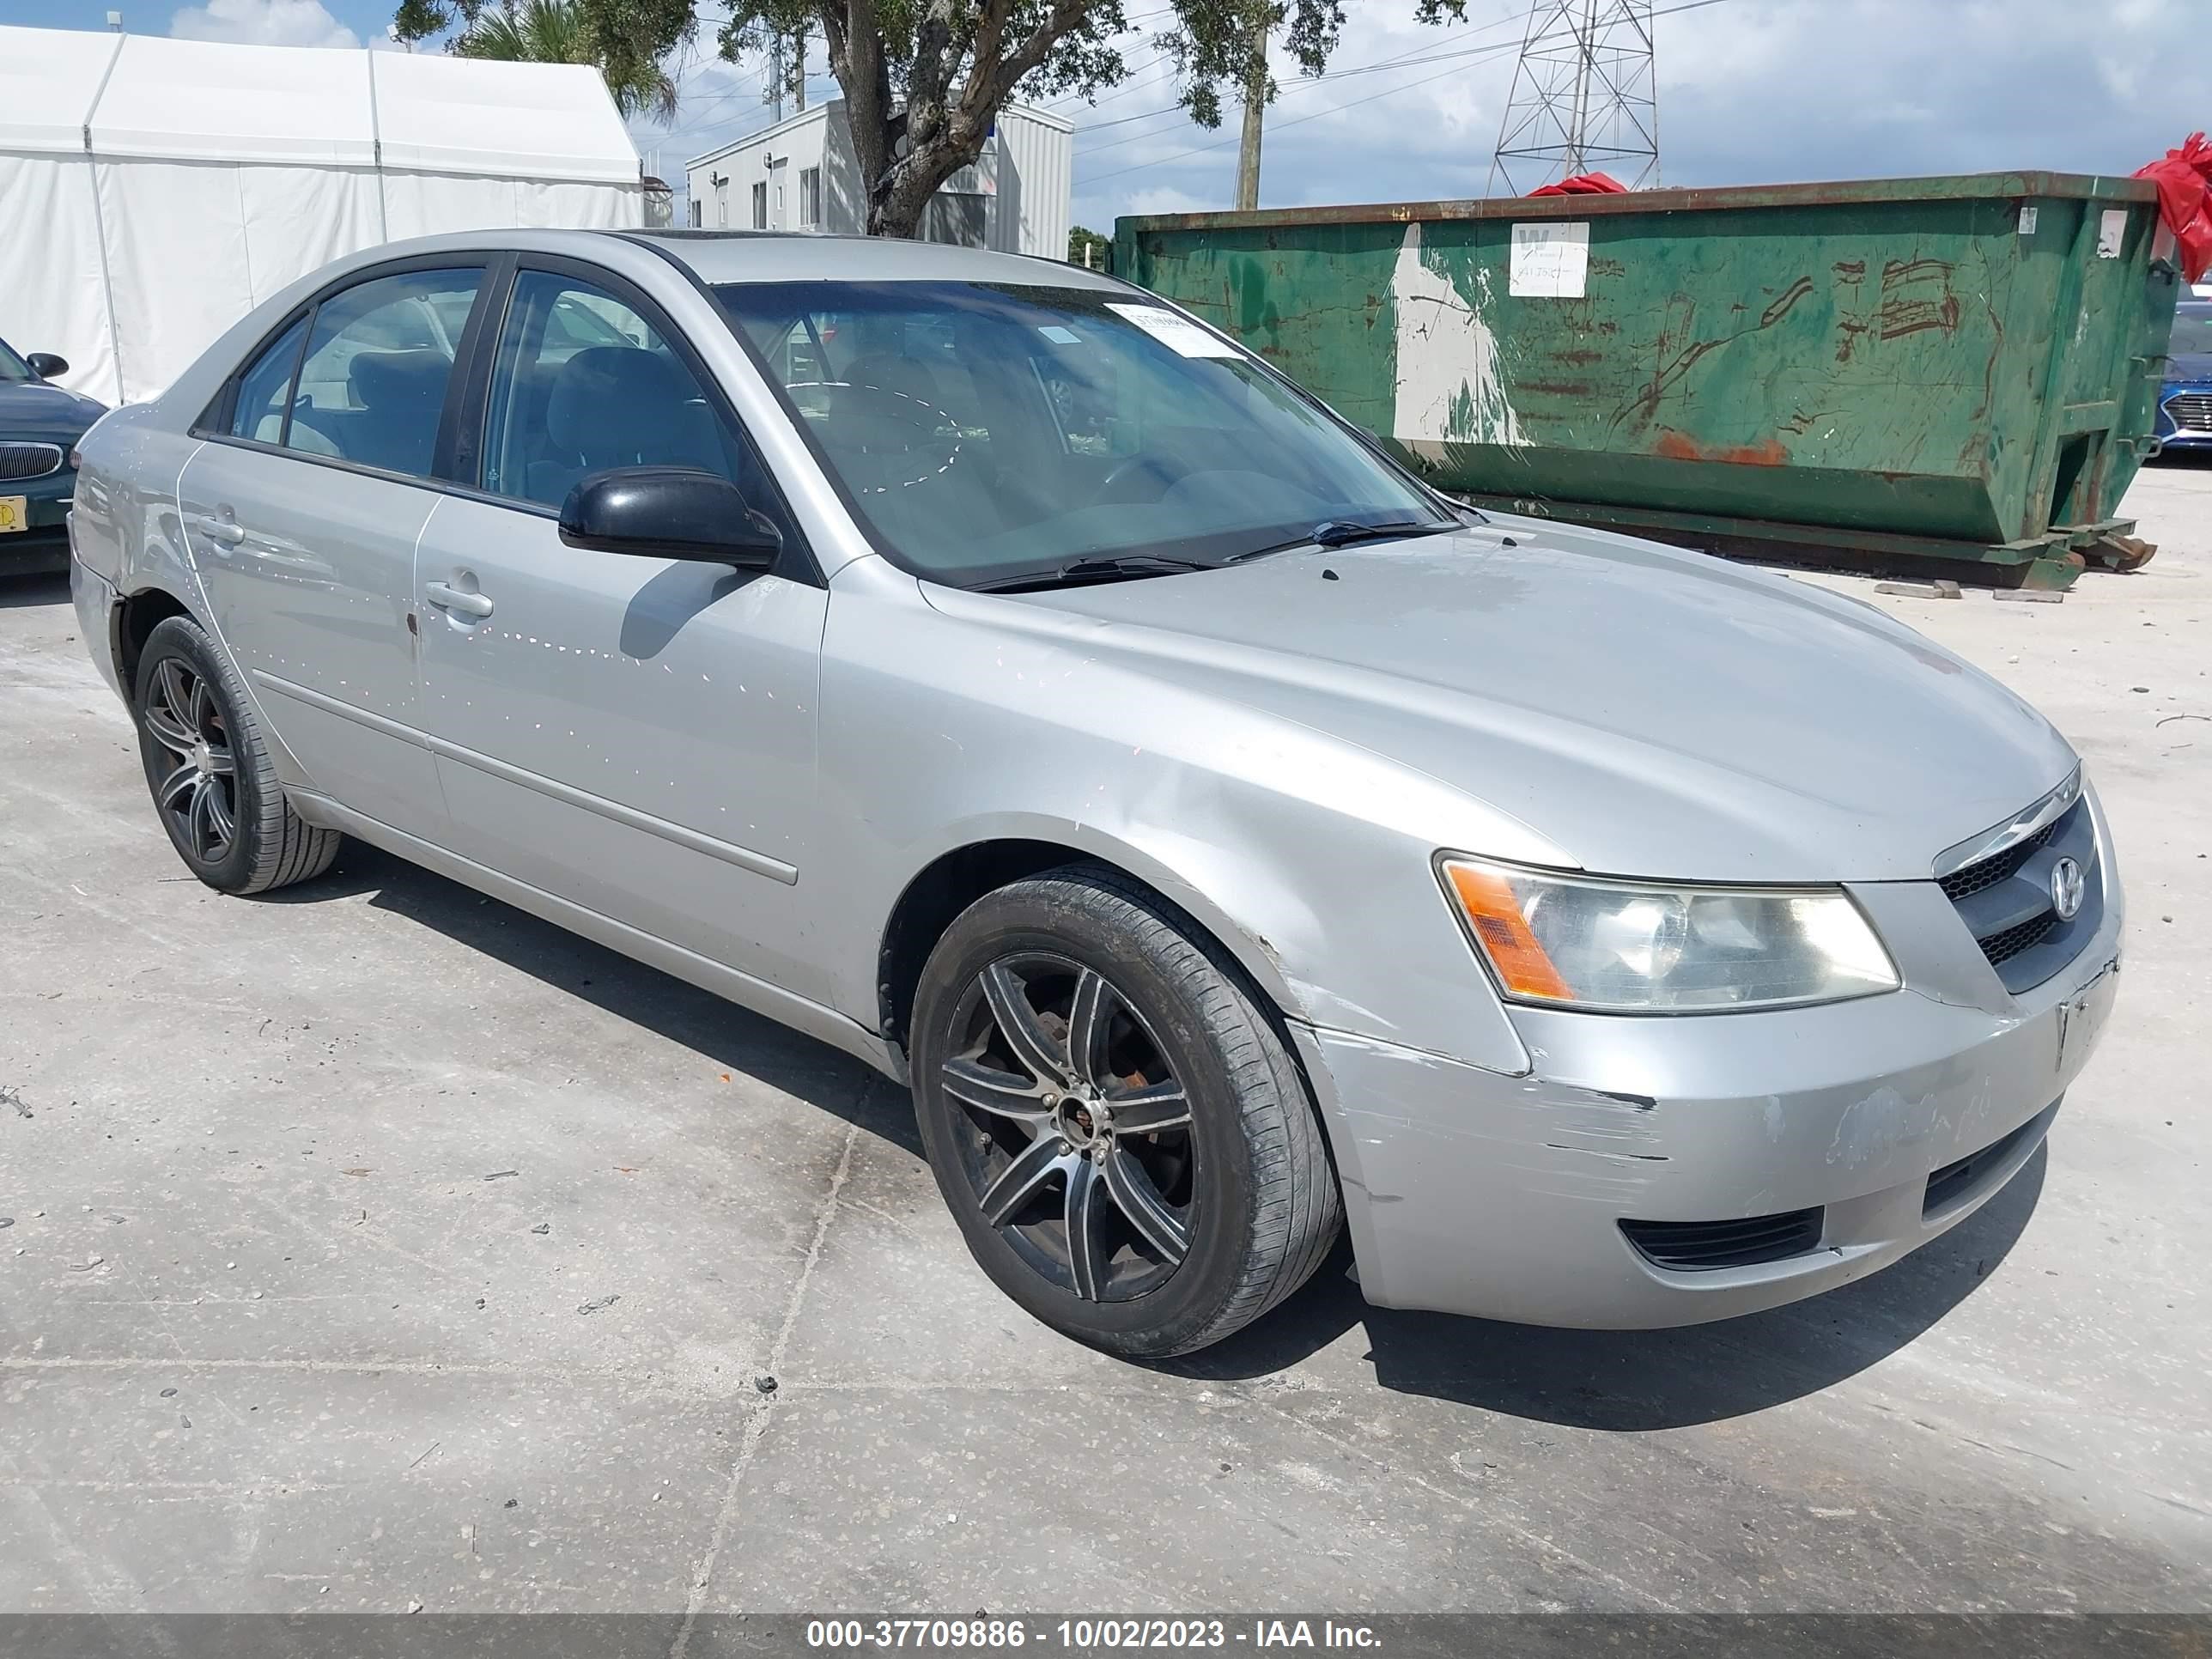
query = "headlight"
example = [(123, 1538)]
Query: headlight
[(1642, 947)]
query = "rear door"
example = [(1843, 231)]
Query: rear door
[(302, 510), (636, 735)]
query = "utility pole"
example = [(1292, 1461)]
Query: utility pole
[(798, 81), (1260, 20), (1585, 96), (776, 78)]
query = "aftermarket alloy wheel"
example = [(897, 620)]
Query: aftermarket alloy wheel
[(1126, 1143), (209, 773)]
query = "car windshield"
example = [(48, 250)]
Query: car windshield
[(2192, 331), (985, 431), (13, 367)]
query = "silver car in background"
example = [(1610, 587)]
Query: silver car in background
[(993, 672)]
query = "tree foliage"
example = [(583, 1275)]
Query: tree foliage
[(924, 80), (628, 42)]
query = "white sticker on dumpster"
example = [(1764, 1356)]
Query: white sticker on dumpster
[(2111, 230), (1551, 261), (2028, 216), (1178, 332)]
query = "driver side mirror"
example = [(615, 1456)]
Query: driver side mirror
[(46, 366), (668, 513)]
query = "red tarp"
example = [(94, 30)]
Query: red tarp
[(1592, 184), (2184, 201)]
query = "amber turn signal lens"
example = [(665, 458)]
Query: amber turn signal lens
[(1495, 916)]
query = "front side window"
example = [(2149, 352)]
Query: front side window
[(12, 368), (379, 360), (266, 388), (985, 431), (583, 381)]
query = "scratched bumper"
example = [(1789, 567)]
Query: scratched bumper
[(1471, 1193), (94, 601)]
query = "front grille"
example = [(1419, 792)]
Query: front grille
[(2192, 410), (19, 460), (1954, 1180), (2001, 948), (2005, 900), (1703, 1245), (2001, 866)]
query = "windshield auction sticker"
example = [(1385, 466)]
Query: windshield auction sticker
[(1179, 333)]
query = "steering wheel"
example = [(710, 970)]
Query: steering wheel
[(887, 422)]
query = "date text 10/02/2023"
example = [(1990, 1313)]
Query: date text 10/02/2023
[(985, 1634)]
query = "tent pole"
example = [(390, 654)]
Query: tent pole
[(99, 218), (376, 152)]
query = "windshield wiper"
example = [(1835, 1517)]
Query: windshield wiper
[(1123, 567), (1336, 533)]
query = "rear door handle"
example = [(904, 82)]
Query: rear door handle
[(228, 532), (448, 597)]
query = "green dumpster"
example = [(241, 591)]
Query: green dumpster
[(1897, 373)]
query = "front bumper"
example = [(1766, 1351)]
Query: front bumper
[(1469, 1192)]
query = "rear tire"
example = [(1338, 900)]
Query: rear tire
[(1124, 1139), (214, 785)]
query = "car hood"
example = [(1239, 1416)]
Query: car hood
[(2188, 369), (1649, 711), (39, 413)]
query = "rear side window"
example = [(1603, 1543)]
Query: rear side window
[(266, 387), (379, 358)]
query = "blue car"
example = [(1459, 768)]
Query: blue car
[(2185, 402), (40, 425)]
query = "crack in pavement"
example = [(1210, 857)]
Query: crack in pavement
[(763, 1415)]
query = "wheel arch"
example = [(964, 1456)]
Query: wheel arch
[(954, 879), (129, 623)]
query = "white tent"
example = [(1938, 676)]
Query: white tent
[(156, 189)]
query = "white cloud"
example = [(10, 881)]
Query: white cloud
[(262, 23)]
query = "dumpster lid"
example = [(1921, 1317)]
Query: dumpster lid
[(1951, 187)]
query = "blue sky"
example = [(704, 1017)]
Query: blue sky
[(1750, 91)]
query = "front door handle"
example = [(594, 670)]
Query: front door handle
[(448, 597), (228, 532)]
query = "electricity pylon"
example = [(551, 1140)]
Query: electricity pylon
[(1584, 98)]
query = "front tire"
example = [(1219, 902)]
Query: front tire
[(1125, 1140), (213, 782)]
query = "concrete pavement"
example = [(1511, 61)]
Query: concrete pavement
[(373, 1244)]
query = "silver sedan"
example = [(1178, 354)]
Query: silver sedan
[(999, 674)]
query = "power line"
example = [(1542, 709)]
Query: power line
[(1403, 62), (1424, 51), (1498, 49)]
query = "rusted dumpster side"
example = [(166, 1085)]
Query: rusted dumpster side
[(1956, 368)]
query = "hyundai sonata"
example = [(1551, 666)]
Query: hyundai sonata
[(997, 673)]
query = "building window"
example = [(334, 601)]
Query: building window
[(760, 205), (810, 198)]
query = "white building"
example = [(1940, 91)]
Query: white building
[(801, 175), (157, 190)]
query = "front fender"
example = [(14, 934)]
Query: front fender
[(1309, 858)]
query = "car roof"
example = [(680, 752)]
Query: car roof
[(721, 256)]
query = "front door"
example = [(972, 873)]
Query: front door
[(302, 513), (636, 735)]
